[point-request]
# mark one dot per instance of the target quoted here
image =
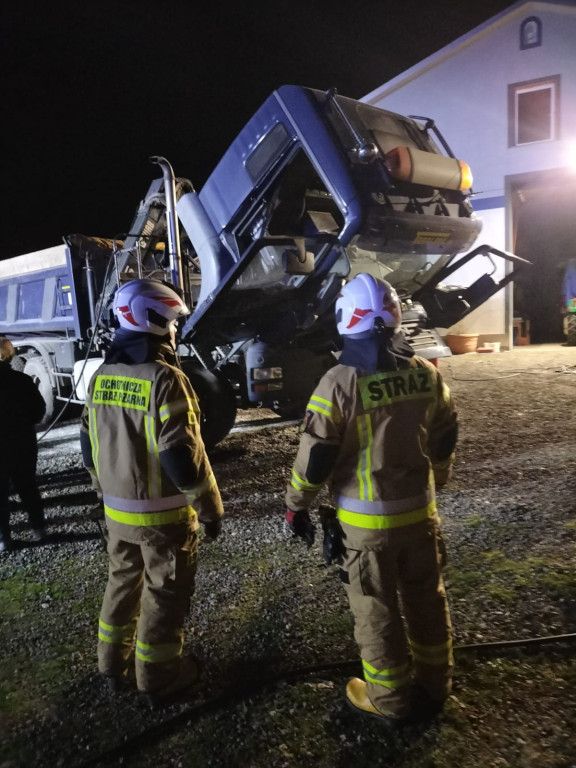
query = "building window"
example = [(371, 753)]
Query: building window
[(530, 33), (533, 110)]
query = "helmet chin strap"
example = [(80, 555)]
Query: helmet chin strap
[(172, 343), (382, 331), (378, 330), (175, 353)]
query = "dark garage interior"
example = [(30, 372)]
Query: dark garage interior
[(545, 234)]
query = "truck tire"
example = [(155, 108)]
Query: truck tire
[(37, 369), (294, 409), (217, 403)]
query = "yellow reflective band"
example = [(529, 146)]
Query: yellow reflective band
[(93, 437), (395, 677), (122, 391), (154, 475), (431, 648), (115, 628), (108, 638), (180, 406), (364, 468), (150, 518), (434, 655), (158, 653), (300, 484), (395, 387), (116, 639), (320, 405), (108, 633), (383, 522)]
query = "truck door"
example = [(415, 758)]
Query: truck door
[(446, 303)]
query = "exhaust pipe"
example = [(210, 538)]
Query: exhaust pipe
[(174, 253), (214, 259)]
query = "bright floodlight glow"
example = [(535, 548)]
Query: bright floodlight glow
[(572, 155)]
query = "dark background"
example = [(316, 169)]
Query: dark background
[(92, 88)]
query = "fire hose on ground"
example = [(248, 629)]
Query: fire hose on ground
[(244, 689)]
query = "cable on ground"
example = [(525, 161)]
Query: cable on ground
[(244, 689)]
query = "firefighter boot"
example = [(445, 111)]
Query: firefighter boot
[(357, 699), (423, 706), (116, 683), (39, 535), (188, 674)]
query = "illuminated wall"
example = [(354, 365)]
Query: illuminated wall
[(487, 91)]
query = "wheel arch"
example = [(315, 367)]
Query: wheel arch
[(217, 402)]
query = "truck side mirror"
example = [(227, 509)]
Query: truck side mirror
[(296, 260)]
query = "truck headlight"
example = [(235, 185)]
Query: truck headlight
[(265, 374)]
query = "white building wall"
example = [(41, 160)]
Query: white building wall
[(490, 319), (464, 88)]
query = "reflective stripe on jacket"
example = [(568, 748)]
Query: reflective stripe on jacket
[(382, 423), (132, 414)]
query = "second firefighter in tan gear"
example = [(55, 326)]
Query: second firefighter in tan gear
[(378, 427), (141, 436)]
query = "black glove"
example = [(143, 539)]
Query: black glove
[(212, 530), (333, 546), (301, 526)]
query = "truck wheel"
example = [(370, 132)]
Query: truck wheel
[(217, 403), (291, 409), (571, 330), (37, 369)]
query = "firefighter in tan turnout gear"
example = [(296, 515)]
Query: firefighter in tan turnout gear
[(141, 438), (380, 428)]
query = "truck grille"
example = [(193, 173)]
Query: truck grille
[(421, 338)]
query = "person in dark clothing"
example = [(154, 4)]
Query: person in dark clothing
[(22, 407)]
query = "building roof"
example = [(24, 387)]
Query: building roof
[(519, 9)]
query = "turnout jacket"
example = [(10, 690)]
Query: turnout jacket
[(146, 448), (377, 438)]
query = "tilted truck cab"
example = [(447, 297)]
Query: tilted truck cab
[(316, 188)]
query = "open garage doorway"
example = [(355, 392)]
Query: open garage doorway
[(544, 232)]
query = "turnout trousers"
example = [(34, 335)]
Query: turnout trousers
[(402, 576), (146, 601), (19, 466)]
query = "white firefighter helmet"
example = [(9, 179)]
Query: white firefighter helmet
[(362, 301), (148, 306)]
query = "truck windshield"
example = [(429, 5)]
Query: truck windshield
[(266, 270), (267, 293), (266, 273), (405, 271), (274, 268)]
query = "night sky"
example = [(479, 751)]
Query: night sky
[(92, 88)]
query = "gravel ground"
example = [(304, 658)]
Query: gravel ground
[(271, 622)]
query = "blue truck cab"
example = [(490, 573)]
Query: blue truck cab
[(315, 189)]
